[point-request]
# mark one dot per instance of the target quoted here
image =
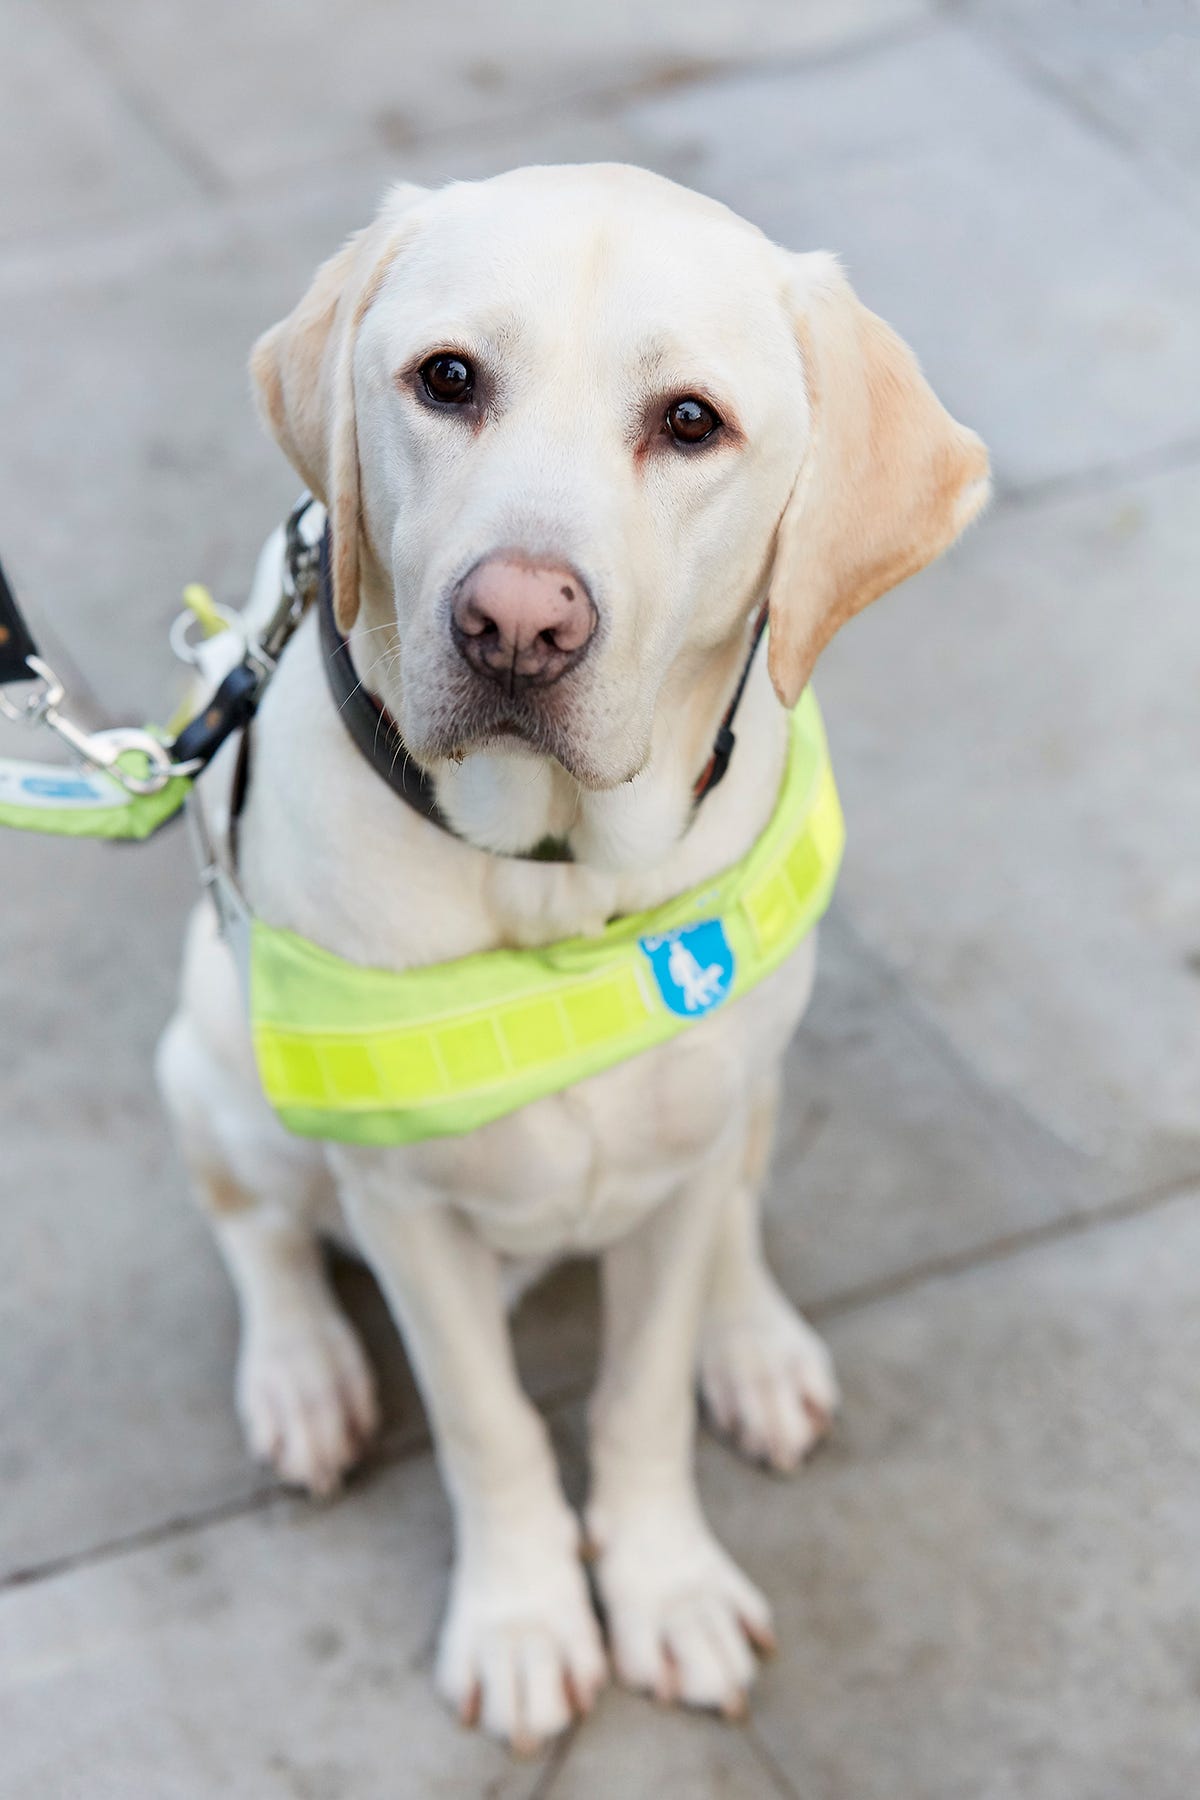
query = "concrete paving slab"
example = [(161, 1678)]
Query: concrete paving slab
[(279, 1656), (1017, 735), (72, 151), (259, 95), (117, 1330), (632, 1750), (891, 1154), (985, 1584), (1133, 70), (1049, 290)]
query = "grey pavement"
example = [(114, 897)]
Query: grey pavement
[(987, 1187)]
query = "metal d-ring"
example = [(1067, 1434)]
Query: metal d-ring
[(184, 646)]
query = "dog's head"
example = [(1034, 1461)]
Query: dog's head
[(571, 424)]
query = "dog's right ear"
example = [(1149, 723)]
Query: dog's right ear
[(303, 374)]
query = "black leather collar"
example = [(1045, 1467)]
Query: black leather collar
[(377, 735), (367, 720)]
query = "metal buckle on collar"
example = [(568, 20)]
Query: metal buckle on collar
[(301, 564), (101, 749)]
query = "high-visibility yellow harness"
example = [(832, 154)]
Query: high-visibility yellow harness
[(379, 1056), (382, 1056)]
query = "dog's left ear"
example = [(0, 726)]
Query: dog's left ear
[(888, 480), (303, 373)]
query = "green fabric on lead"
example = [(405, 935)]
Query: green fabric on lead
[(59, 801)]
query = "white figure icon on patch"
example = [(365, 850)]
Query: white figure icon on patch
[(700, 987)]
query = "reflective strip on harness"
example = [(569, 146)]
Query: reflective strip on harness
[(372, 1056)]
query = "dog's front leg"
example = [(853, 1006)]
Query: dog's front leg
[(520, 1648), (681, 1616), (766, 1377)]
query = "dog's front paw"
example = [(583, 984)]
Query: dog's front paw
[(683, 1621), (306, 1397), (767, 1380), (520, 1649)]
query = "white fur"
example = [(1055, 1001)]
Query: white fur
[(590, 295)]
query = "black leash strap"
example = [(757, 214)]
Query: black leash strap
[(16, 639)]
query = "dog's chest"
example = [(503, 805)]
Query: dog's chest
[(577, 1170)]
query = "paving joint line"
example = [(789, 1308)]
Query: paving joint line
[(1045, 80), (1077, 1222), (141, 107), (984, 1097), (766, 67), (386, 1455), (773, 1769), (602, 101), (1072, 100), (146, 1537), (556, 1759), (594, 103), (1163, 459)]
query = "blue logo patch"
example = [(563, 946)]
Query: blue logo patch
[(58, 787), (693, 967)]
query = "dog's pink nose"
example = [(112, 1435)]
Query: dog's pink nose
[(522, 623)]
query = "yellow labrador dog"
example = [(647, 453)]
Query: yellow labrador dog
[(581, 378)]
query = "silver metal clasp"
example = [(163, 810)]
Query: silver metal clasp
[(34, 702), (101, 749), (302, 553), (301, 567)]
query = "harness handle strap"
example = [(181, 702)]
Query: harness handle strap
[(235, 702), (231, 707), (16, 639)]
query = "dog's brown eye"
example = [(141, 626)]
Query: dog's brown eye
[(448, 378), (690, 421)]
